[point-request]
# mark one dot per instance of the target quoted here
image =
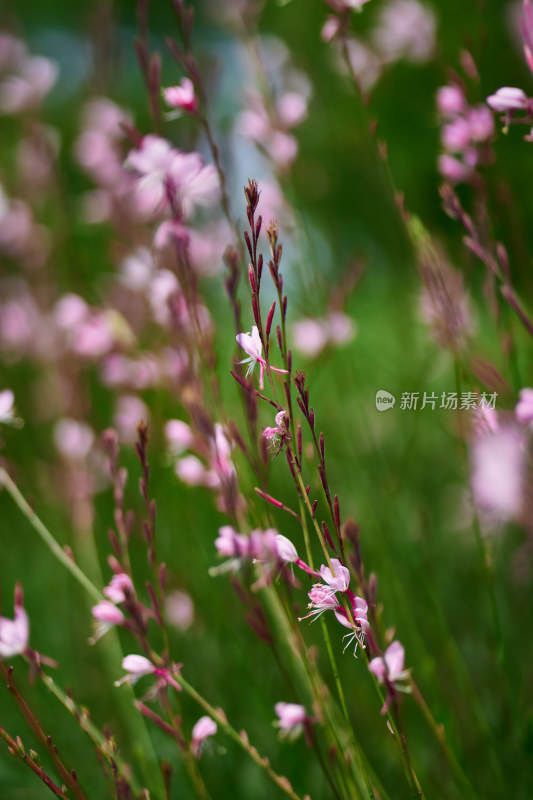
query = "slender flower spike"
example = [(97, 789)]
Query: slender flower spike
[(292, 719), (338, 579), (14, 633), (204, 728)]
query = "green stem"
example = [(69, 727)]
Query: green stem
[(47, 537)]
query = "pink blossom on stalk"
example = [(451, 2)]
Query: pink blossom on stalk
[(389, 669), (508, 98), (15, 633), (406, 29), (524, 407), (323, 598), (358, 623), (136, 667), (338, 577), (285, 549), (291, 719), (481, 124), (251, 344), (456, 135), (204, 728), (119, 587), (129, 412), (181, 96), (107, 612)]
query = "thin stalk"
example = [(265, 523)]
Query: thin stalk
[(47, 537), (241, 739)]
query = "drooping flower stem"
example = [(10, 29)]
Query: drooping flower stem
[(240, 738)]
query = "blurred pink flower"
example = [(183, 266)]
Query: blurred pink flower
[(165, 171), (108, 613), (181, 96), (405, 29), (204, 728), (508, 98), (73, 439), (454, 170), (179, 609), (14, 633), (179, 436), (7, 409), (291, 719), (311, 336), (498, 465), (136, 667), (450, 101), (130, 410), (191, 471), (285, 549), (524, 407), (119, 587), (26, 89)]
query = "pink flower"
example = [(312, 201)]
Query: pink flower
[(7, 409), (454, 170), (323, 598), (508, 98), (481, 124), (179, 609), (388, 669), (338, 578), (15, 633), (229, 543), (136, 667), (499, 472), (358, 623), (456, 135), (251, 344), (450, 101), (204, 727), (179, 436), (524, 407), (108, 613), (292, 719), (390, 666), (285, 549), (181, 96), (119, 587), (73, 439)]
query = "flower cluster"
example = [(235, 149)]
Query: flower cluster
[(465, 136)]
